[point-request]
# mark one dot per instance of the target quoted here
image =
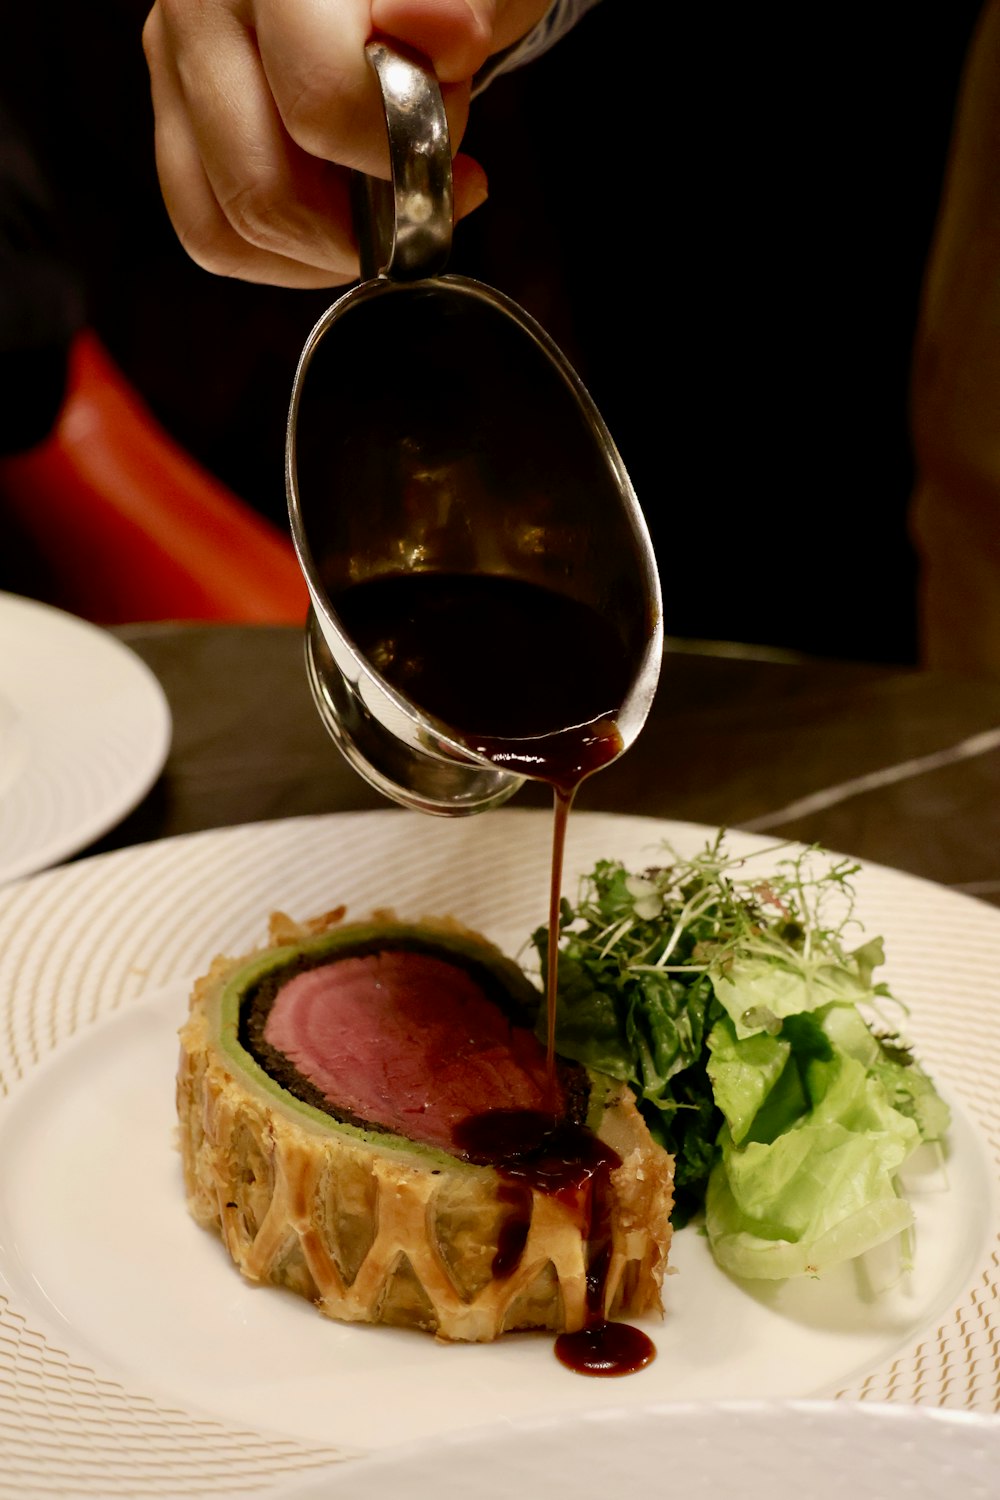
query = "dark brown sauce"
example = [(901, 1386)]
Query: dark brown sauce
[(500, 660), (605, 1349), (533, 681), (569, 1163)]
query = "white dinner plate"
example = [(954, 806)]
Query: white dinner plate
[(133, 1357), (752, 1450), (84, 732)]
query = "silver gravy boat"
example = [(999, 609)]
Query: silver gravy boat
[(434, 425)]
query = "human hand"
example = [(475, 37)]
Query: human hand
[(263, 107)]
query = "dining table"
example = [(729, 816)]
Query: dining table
[(891, 768), (891, 764)]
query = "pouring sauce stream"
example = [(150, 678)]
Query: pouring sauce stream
[(466, 649)]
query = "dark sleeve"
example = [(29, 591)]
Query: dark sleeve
[(561, 17), (41, 303)]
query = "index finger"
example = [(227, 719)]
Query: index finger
[(313, 56)]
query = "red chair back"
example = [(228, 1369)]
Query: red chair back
[(129, 527)]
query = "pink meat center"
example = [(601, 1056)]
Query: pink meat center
[(407, 1041)]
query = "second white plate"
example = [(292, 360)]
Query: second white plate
[(754, 1449), (84, 732)]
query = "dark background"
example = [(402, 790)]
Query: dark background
[(721, 215)]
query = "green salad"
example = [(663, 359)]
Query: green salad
[(756, 1040)]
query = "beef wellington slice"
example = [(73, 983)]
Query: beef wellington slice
[(366, 1116)]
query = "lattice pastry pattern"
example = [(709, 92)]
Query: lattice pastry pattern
[(372, 1234)]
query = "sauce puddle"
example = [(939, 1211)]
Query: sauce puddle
[(465, 648), (569, 1163)]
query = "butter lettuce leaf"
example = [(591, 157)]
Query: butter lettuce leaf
[(759, 988), (797, 1195)]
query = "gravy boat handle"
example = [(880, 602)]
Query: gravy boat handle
[(404, 227)]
